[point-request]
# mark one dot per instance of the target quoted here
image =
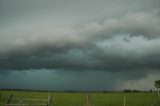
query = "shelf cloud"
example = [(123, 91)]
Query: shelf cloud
[(131, 42)]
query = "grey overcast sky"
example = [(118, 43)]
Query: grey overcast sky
[(79, 44)]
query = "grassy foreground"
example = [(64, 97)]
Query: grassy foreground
[(79, 99)]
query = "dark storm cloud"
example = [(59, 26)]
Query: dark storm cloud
[(77, 80), (117, 44), (113, 36), (57, 80)]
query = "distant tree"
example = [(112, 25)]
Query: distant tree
[(157, 85), (150, 90), (127, 90), (105, 91), (135, 91)]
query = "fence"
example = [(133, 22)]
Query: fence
[(47, 102), (89, 101), (10, 102)]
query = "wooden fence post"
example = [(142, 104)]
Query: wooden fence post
[(124, 101), (9, 99), (21, 101), (89, 103), (49, 100)]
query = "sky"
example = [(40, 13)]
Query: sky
[(79, 44)]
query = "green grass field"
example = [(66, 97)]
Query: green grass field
[(79, 99)]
